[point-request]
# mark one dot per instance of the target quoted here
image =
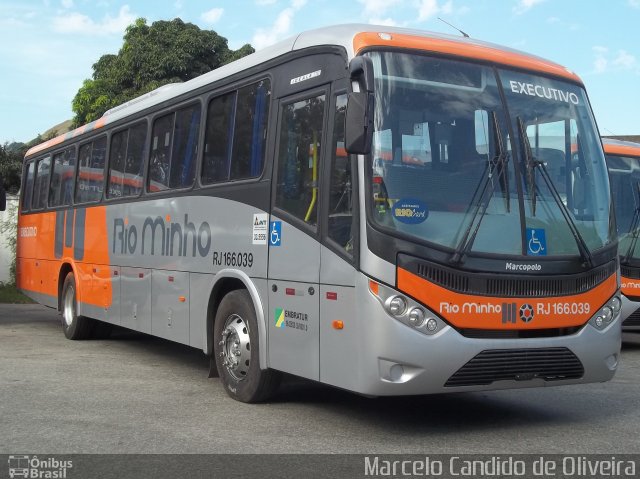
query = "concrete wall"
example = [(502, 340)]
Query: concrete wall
[(5, 253)]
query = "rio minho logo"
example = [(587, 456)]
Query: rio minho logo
[(36, 468)]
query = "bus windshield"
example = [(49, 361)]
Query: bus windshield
[(624, 174), (449, 167)]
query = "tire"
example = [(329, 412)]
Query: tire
[(75, 327), (236, 350)]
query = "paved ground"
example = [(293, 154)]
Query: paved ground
[(137, 394)]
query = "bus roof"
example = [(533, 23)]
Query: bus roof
[(620, 148), (354, 38)]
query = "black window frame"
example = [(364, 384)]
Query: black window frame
[(69, 146), (328, 241), (37, 162), (79, 146), (268, 147), (152, 118), (144, 160), (316, 231), (23, 187)]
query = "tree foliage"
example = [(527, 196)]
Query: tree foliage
[(151, 56), (11, 167)]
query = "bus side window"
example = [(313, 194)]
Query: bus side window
[(62, 178), (68, 176), (217, 146), (236, 134), (252, 111), (125, 164), (134, 164), (174, 149), (28, 187), (160, 153), (41, 188), (298, 158), (340, 183), (91, 170), (185, 147), (117, 154)]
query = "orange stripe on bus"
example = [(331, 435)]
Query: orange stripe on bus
[(468, 50), (621, 150), (630, 287), (485, 312), (99, 123)]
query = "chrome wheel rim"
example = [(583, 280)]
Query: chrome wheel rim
[(69, 305), (236, 347)]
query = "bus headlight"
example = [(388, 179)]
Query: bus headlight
[(605, 316), (616, 304), (397, 306), (416, 317), (406, 310)]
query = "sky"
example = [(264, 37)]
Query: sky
[(47, 47)]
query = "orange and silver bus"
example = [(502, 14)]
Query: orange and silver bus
[(383, 210), (623, 161)]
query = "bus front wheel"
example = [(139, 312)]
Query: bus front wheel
[(236, 349), (74, 326)]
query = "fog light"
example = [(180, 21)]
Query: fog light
[(616, 304), (599, 321), (607, 313), (432, 324), (416, 317), (397, 306)]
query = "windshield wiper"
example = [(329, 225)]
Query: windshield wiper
[(531, 165), (500, 163), (634, 230)]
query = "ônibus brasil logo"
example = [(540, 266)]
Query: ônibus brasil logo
[(33, 467)]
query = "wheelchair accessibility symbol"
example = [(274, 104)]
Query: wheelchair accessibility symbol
[(536, 242), (275, 233)]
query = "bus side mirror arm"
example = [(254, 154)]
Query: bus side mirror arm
[(358, 128)]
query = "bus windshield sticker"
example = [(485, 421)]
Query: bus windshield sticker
[(260, 222), (536, 242), (543, 92), (275, 235), (410, 211)]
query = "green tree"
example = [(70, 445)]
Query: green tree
[(151, 56), (11, 167)]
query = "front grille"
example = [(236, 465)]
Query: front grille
[(633, 319), (507, 285), (631, 272), (518, 333), (550, 364)]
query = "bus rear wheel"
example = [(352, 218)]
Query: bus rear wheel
[(236, 349), (75, 327)]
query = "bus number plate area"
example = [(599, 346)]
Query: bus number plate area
[(238, 259)]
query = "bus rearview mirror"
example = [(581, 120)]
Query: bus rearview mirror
[(358, 128)]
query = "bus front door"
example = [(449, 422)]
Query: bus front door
[(294, 247)]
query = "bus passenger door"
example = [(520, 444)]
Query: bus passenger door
[(294, 247)]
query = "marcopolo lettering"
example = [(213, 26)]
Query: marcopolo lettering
[(543, 92), (160, 237), (522, 267)]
